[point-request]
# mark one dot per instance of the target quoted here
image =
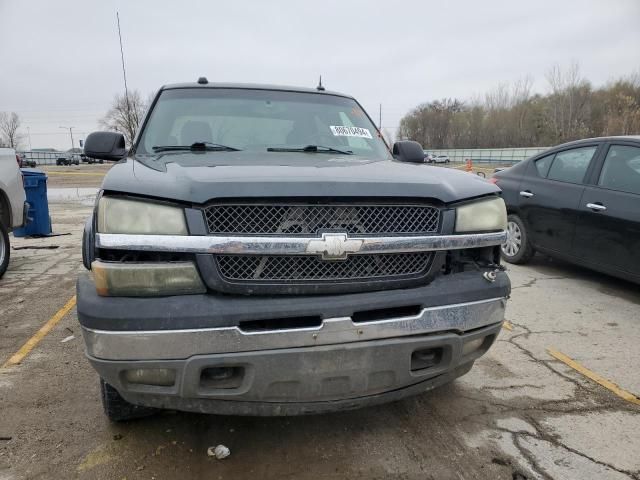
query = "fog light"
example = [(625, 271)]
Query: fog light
[(472, 346), (221, 377), (163, 377), (146, 279)]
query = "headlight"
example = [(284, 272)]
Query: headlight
[(146, 279), (482, 216), (118, 215)]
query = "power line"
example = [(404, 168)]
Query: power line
[(56, 133)]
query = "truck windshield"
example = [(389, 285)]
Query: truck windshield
[(265, 121)]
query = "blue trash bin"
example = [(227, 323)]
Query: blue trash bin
[(35, 186)]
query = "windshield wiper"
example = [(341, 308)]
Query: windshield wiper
[(310, 149), (196, 147)]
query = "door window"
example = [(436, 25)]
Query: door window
[(571, 165), (543, 164), (621, 169)]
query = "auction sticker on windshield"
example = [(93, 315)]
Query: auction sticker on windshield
[(342, 131)]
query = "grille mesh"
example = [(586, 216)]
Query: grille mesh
[(285, 219), (256, 268)]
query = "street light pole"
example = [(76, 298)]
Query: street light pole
[(29, 134), (71, 134)]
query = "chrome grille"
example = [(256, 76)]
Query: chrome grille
[(291, 219), (272, 268)]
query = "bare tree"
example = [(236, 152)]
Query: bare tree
[(9, 125), (569, 102), (510, 115), (125, 115)]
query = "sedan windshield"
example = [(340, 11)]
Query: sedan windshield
[(267, 121)]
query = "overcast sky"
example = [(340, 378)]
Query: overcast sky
[(60, 60)]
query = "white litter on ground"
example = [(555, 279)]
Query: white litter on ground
[(219, 452)]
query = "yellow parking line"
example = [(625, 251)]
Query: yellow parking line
[(74, 173), (628, 396), (40, 334)]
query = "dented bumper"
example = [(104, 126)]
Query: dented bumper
[(218, 363)]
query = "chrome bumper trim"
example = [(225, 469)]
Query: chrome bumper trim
[(247, 245), (181, 344)]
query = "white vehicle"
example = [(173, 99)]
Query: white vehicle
[(440, 159), (12, 201)]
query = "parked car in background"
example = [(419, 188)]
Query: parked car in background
[(90, 160), (24, 162), (12, 202), (579, 202), (428, 157), (68, 159), (438, 158)]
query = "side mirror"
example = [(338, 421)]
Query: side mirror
[(408, 151), (105, 146)]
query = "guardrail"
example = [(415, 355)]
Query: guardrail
[(502, 156)]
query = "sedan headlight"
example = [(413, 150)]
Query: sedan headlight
[(119, 215), (482, 216)]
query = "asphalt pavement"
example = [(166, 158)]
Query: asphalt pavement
[(552, 399)]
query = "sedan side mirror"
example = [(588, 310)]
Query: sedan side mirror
[(408, 151), (105, 146)]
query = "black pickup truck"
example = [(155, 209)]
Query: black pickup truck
[(260, 250)]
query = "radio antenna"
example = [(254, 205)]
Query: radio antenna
[(124, 71)]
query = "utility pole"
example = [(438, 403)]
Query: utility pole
[(71, 134), (380, 119), (29, 135)]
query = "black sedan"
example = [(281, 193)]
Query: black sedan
[(579, 202)]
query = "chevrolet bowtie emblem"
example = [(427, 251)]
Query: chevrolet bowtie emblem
[(334, 246)]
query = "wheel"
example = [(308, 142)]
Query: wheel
[(517, 248), (100, 161), (117, 409), (5, 249)]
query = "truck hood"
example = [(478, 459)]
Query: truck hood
[(197, 178)]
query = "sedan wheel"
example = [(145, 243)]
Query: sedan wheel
[(514, 240), (517, 248)]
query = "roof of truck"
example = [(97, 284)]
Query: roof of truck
[(253, 86)]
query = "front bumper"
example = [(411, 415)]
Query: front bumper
[(306, 380), (338, 364)]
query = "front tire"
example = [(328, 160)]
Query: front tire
[(117, 409), (5, 248), (517, 249)]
